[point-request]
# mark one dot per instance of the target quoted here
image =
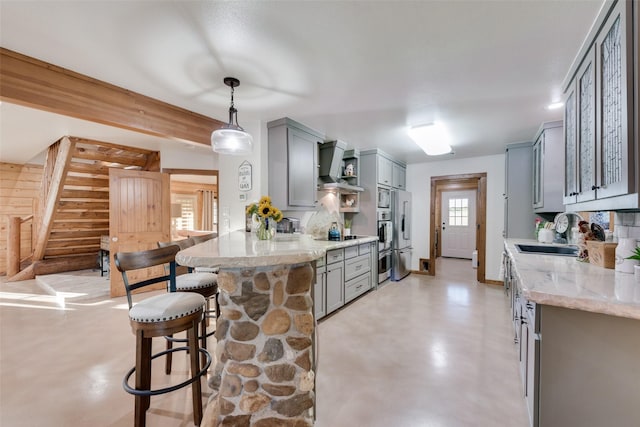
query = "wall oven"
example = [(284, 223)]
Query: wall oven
[(384, 266), (384, 198), (385, 230)]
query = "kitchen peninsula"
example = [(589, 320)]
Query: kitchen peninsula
[(577, 332), (265, 360)]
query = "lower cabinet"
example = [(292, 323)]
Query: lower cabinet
[(343, 275), (335, 286), (578, 368), (320, 290), (357, 276)]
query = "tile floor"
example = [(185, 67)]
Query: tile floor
[(420, 352)]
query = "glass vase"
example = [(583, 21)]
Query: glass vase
[(265, 230)]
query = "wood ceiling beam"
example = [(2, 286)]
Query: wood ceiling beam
[(37, 84)]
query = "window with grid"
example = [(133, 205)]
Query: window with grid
[(459, 212), (188, 203)]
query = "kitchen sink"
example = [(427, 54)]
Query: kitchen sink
[(547, 249)]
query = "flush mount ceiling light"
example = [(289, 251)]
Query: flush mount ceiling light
[(555, 105), (432, 138), (231, 138)]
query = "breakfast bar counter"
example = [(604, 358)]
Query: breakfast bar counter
[(264, 375)]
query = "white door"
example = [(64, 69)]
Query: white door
[(458, 223)]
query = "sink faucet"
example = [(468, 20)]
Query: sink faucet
[(564, 224)]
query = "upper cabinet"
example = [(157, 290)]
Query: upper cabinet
[(601, 128), (548, 167), (385, 171), (399, 176), (293, 164)]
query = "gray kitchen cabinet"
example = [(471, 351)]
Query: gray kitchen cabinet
[(569, 378), (335, 280), (349, 272), (320, 290), (580, 135), (293, 164), (356, 266), (548, 168), (385, 170), (357, 286), (357, 272), (601, 127), (399, 176), (518, 216)]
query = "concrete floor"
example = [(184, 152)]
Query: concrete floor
[(424, 351)]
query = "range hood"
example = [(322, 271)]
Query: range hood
[(331, 168)]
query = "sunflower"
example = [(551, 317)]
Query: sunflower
[(265, 210), (277, 214), (265, 200)]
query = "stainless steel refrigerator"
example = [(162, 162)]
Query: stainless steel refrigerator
[(401, 247)]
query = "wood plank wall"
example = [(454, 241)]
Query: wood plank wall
[(19, 195)]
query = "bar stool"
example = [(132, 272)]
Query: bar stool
[(157, 316), (203, 283)]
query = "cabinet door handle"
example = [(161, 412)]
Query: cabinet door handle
[(594, 187)]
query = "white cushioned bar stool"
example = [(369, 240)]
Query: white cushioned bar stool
[(158, 316), (203, 283)]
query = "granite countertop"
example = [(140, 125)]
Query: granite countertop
[(242, 249), (565, 282)]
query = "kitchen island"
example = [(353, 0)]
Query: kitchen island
[(577, 331), (264, 375)]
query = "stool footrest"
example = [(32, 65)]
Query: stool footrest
[(194, 378)]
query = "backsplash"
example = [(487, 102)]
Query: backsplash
[(627, 224)]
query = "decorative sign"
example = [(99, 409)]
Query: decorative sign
[(244, 176)]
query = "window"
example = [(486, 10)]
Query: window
[(459, 212), (188, 203)]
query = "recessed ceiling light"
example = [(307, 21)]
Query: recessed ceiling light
[(555, 105)]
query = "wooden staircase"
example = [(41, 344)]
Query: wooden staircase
[(74, 202)]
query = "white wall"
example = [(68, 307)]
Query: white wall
[(181, 156), (419, 184), (232, 209)]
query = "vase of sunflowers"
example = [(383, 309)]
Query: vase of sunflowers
[(267, 215)]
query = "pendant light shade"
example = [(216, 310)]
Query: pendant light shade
[(231, 138)]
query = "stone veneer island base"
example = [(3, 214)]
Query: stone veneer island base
[(264, 372), (264, 375)]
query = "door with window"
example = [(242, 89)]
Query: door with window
[(458, 223)]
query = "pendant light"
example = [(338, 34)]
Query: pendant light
[(231, 138)]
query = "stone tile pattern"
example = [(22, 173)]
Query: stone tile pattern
[(264, 374)]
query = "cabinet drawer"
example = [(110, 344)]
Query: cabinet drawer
[(356, 267), (357, 287), (350, 252), (335, 255), (364, 248)]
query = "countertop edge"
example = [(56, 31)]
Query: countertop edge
[(599, 285), (242, 250)]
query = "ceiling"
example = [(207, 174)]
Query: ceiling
[(360, 71)]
